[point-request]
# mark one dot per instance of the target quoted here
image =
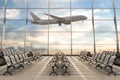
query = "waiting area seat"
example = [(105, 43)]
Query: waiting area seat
[(59, 63), (16, 59), (103, 60)]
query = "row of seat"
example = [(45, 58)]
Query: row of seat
[(103, 60), (36, 54), (84, 55), (15, 60), (59, 63)]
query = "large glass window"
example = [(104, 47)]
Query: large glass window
[(69, 37)]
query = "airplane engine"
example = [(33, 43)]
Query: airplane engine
[(67, 23)]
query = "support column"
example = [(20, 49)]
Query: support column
[(94, 42), (25, 39), (3, 28), (71, 26), (48, 25), (116, 30)]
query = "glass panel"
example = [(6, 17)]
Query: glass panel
[(104, 26), (2, 3), (14, 38), (1, 14), (40, 14), (117, 3), (82, 38), (63, 48), (119, 39), (105, 38), (0, 38), (82, 25), (118, 14), (106, 47), (42, 48), (81, 3), (14, 46), (103, 14), (118, 25), (16, 14), (103, 4), (84, 12), (15, 26), (79, 26), (37, 38), (1, 25), (59, 38), (63, 26), (16, 3), (78, 48), (38, 4), (59, 3)]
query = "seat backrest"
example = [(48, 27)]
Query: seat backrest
[(17, 58), (111, 60), (7, 60), (102, 57), (98, 58), (4, 52), (20, 57), (106, 59), (13, 59)]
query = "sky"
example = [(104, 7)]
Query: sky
[(60, 36)]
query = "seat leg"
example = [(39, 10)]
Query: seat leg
[(8, 71), (66, 72), (53, 71), (111, 71)]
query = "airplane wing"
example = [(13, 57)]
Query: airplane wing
[(55, 17)]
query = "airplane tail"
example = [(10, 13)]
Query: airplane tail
[(36, 18)]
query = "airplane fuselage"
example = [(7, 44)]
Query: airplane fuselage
[(65, 20)]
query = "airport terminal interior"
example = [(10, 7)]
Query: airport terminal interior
[(59, 39)]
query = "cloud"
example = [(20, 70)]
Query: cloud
[(12, 13)]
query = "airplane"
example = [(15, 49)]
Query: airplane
[(56, 20)]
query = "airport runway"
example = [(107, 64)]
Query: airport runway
[(40, 69)]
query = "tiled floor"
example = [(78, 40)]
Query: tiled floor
[(40, 69)]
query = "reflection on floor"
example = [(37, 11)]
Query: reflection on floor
[(40, 69)]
